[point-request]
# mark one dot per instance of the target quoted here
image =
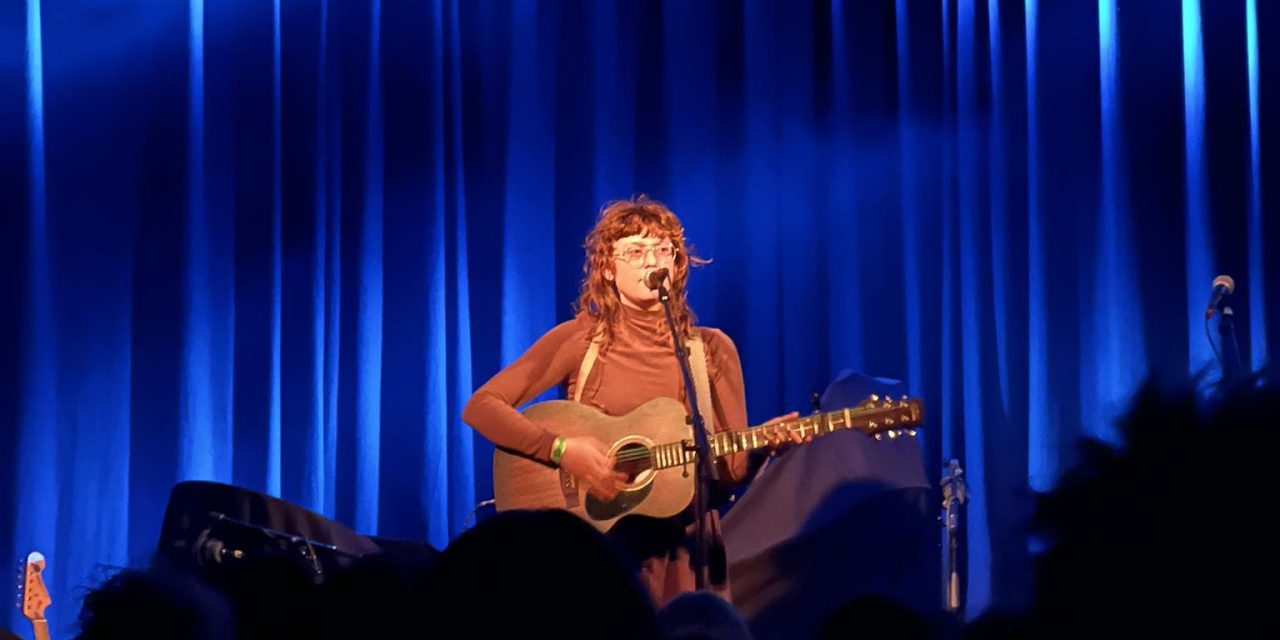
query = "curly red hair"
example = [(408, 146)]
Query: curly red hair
[(598, 296)]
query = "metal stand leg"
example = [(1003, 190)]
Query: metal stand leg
[(954, 495)]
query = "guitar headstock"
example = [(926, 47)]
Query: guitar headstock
[(884, 417), (34, 595)]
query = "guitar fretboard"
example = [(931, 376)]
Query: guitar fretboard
[(873, 420)]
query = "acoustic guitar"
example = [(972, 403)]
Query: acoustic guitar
[(652, 446), (35, 597)]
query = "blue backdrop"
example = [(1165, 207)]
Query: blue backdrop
[(278, 243)]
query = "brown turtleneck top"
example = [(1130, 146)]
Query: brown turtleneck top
[(635, 367)]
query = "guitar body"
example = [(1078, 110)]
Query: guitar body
[(523, 483)]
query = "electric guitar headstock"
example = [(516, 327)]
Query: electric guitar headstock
[(34, 595)]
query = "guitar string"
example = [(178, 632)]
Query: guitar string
[(645, 453), (648, 453), (640, 454), (816, 424)]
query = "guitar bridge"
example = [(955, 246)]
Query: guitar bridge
[(569, 488)]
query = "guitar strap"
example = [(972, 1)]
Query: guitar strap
[(697, 366), (593, 351)]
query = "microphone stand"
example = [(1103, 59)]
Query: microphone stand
[(1231, 364), (226, 540), (704, 465)]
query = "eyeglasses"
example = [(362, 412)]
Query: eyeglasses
[(634, 255)]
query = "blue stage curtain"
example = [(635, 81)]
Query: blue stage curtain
[(278, 244)]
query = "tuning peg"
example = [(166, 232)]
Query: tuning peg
[(875, 398), (893, 434), (879, 437), (911, 432)]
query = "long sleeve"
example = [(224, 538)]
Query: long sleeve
[(492, 409), (728, 395)]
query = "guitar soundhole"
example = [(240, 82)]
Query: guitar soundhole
[(633, 460)]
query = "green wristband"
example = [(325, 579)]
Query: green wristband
[(557, 451)]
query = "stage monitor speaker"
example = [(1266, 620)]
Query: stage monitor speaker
[(211, 527)]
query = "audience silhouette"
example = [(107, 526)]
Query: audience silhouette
[(1165, 532), (527, 570), (155, 603)]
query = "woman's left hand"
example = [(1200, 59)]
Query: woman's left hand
[(782, 439)]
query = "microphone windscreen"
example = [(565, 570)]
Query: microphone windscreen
[(655, 278)]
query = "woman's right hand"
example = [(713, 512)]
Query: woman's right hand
[(588, 459)]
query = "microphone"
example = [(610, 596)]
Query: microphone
[(1223, 286), (655, 278)]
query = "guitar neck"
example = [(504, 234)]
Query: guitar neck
[(819, 424), (41, 629)]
